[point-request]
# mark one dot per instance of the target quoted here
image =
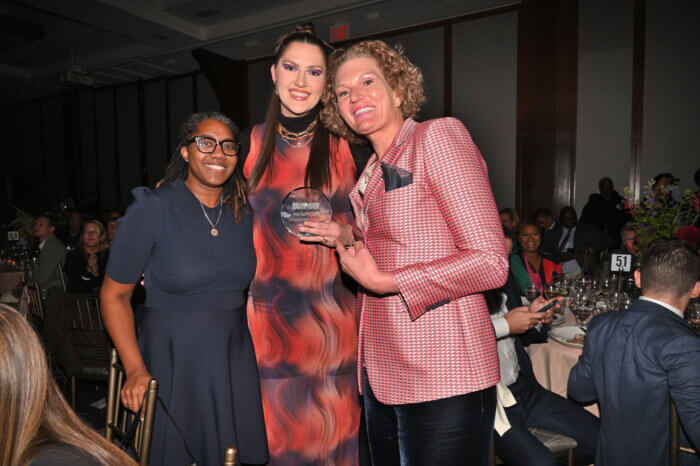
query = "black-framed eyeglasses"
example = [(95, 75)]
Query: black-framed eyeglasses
[(207, 145)]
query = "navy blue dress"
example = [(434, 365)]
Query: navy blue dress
[(194, 336)]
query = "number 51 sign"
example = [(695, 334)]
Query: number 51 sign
[(620, 262)]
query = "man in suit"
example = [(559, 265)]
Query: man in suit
[(53, 253), (633, 361), (568, 244)]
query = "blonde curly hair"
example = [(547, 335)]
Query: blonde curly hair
[(403, 76)]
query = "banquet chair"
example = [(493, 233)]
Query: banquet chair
[(119, 419), (230, 457), (559, 445), (676, 448), (62, 275), (37, 304), (90, 340)]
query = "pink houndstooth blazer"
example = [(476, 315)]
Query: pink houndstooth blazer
[(428, 215)]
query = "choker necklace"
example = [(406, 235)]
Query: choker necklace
[(296, 138), (214, 231)]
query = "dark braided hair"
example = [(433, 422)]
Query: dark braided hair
[(235, 188)]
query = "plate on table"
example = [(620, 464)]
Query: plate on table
[(557, 320), (565, 334)]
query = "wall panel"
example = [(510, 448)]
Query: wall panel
[(604, 109), (180, 105), (483, 94), (129, 149), (106, 157), (670, 140), (206, 98), (157, 154)]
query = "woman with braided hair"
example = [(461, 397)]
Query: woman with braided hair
[(191, 238)]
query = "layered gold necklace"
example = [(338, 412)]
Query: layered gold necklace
[(296, 139)]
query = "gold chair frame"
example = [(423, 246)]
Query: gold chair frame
[(676, 448), (62, 275), (88, 317), (118, 418), (230, 457)]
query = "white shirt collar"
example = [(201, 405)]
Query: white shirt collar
[(41, 245), (676, 311)]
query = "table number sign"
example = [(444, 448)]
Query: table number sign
[(620, 262), (12, 236)]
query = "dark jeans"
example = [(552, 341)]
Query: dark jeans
[(537, 407), (451, 431)]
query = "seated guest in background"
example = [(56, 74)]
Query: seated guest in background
[(85, 266), (545, 219), (575, 241), (510, 220), (53, 253), (111, 229), (70, 233), (38, 427), (529, 266), (602, 210), (633, 361), (534, 406), (661, 181), (629, 246)]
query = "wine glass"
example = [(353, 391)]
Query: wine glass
[(532, 292), (692, 315), (550, 291), (583, 305)]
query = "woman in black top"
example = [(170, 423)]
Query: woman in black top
[(85, 266)]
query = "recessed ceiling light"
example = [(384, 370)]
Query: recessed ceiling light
[(372, 15), (252, 43)]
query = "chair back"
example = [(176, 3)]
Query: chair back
[(676, 448), (36, 307), (230, 457), (62, 276), (119, 418), (90, 340)]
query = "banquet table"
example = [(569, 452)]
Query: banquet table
[(552, 363), (9, 278)]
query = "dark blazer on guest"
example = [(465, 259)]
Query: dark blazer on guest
[(550, 239), (78, 278), (45, 272), (632, 362)]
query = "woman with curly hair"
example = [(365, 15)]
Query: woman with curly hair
[(301, 314), (191, 239), (428, 244), (38, 427)]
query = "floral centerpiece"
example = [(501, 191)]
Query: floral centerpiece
[(667, 213), (23, 223)]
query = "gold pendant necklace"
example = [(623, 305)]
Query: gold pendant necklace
[(296, 138), (214, 231)]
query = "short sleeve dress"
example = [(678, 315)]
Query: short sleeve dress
[(194, 336)]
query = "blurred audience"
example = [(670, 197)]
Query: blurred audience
[(38, 427), (545, 219), (510, 220), (530, 267), (53, 254), (663, 180), (603, 210), (85, 266), (70, 233)]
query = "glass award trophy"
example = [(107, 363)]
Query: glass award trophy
[(302, 205)]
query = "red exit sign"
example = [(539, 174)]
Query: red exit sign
[(340, 32)]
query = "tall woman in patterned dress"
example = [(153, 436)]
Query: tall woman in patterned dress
[(301, 315)]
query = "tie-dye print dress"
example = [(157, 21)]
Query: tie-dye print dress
[(302, 319)]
